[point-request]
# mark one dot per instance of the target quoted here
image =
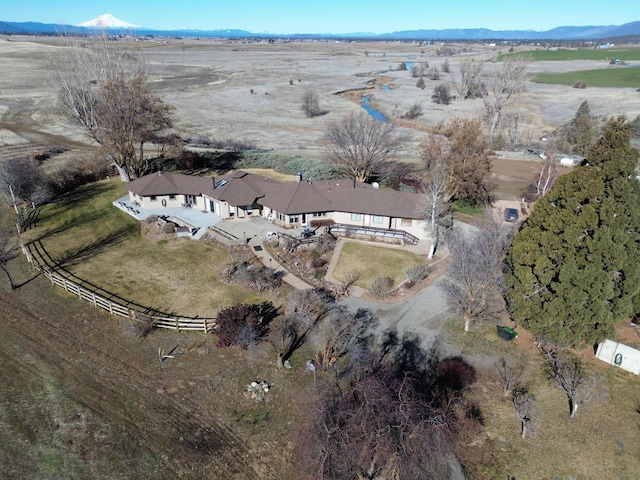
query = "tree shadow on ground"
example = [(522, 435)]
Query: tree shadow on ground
[(81, 194), (67, 225), (82, 253)]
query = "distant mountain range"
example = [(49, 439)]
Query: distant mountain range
[(114, 25)]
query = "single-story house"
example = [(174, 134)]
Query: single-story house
[(170, 190), (243, 195)]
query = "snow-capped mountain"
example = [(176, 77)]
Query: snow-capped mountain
[(107, 21)]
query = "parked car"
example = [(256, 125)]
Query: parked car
[(511, 214)]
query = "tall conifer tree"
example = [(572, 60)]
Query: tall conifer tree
[(574, 268)]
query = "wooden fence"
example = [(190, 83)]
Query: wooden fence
[(114, 305)]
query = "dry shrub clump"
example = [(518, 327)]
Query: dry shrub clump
[(380, 287)]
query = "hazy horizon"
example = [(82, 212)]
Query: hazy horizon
[(329, 16)]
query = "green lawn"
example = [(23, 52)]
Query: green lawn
[(602, 77), (625, 54), (369, 262), (90, 237)]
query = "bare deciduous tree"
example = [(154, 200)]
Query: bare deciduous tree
[(23, 178), (419, 69), (8, 251), (376, 427), (358, 144), (102, 87), (504, 87), (304, 310), (311, 104), (437, 208), (468, 83), (543, 180), (524, 404), (570, 375), (474, 277), (509, 375), (339, 332)]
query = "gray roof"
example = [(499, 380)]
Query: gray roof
[(169, 184), (323, 196), (241, 188)]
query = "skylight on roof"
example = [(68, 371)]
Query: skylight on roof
[(221, 183)]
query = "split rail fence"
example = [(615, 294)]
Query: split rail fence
[(115, 305)]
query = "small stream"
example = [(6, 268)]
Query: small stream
[(366, 104)]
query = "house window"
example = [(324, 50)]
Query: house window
[(153, 198), (294, 218), (356, 217), (319, 214), (249, 209), (377, 219), (406, 222), (172, 197), (281, 216)]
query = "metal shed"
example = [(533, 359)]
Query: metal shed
[(619, 355)]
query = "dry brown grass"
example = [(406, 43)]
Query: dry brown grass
[(99, 243), (585, 447), (369, 262)]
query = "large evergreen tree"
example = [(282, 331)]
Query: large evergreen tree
[(574, 268), (580, 131)]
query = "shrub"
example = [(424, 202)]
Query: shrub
[(188, 160), (419, 69), (243, 324), (414, 112), (169, 228), (420, 83), (326, 244), (418, 272), (580, 84), (441, 95), (318, 262), (258, 278), (311, 104), (453, 375), (380, 287), (311, 169)]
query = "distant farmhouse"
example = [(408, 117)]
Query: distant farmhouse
[(241, 195)]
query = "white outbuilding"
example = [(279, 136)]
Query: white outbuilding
[(620, 355)]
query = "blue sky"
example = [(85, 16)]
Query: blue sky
[(329, 16)]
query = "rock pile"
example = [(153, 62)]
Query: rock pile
[(257, 391)]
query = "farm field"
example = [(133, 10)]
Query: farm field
[(80, 393), (618, 77), (570, 54)]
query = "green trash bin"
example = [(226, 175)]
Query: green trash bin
[(506, 333)]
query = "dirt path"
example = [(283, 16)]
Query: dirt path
[(115, 378)]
